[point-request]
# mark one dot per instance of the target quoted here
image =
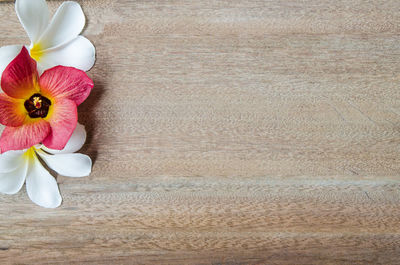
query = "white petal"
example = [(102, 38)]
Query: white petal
[(79, 53), (34, 17), (11, 182), (38, 146), (7, 54), (69, 165), (75, 143), (42, 187), (10, 160), (65, 26)]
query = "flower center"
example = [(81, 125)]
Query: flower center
[(36, 52), (37, 106)]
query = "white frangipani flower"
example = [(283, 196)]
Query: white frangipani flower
[(55, 42), (17, 167)]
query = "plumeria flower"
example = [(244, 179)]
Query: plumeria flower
[(55, 42), (40, 110), (17, 167)]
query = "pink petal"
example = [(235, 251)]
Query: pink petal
[(63, 120), (66, 82), (25, 136), (12, 111), (19, 79)]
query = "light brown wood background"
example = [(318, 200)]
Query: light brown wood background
[(228, 132)]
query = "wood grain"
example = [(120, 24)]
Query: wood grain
[(228, 132)]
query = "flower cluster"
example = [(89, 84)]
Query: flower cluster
[(43, 85)]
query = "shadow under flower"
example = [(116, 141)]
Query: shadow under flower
[(87, 116)]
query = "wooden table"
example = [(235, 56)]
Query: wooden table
[(228, 132)]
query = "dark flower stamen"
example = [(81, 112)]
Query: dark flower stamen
[(37, 106)]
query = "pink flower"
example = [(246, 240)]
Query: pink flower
[(40, 110)]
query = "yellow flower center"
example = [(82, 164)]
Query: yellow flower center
[(37, 102), (30, 153), (36, 52)]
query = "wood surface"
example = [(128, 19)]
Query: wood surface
[(228, 132)]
